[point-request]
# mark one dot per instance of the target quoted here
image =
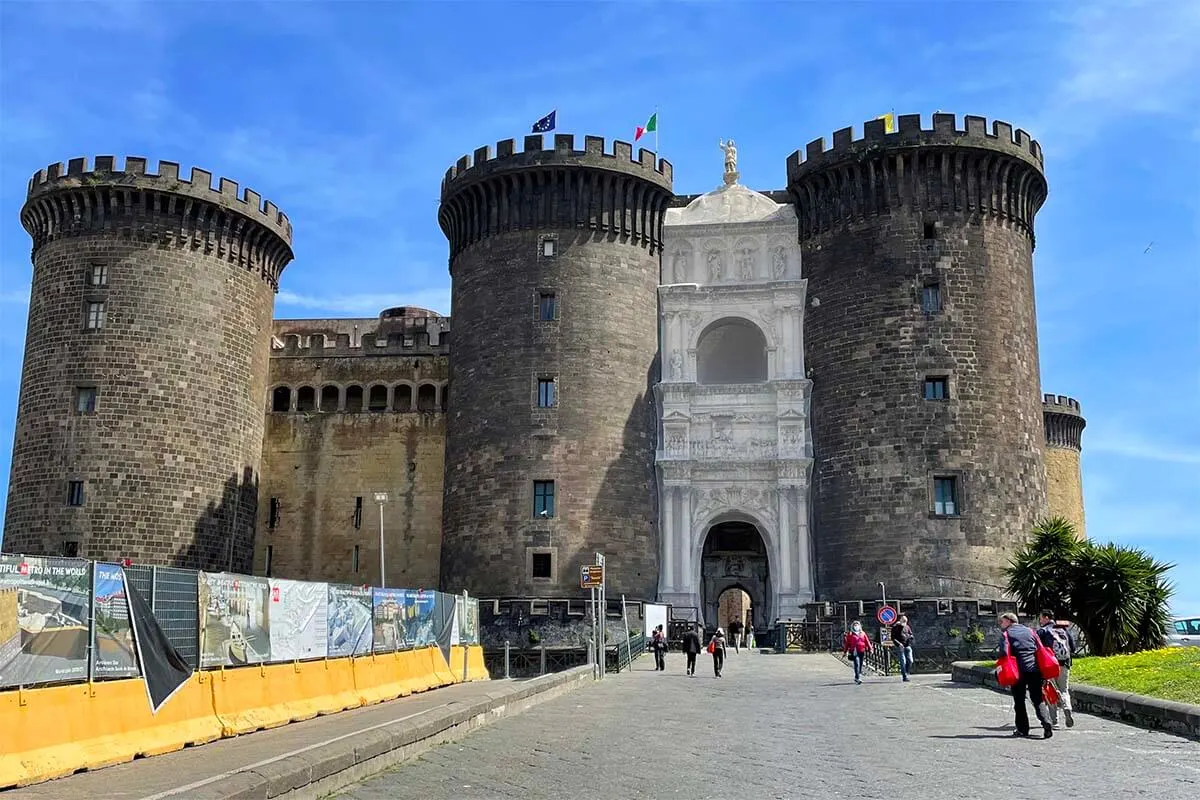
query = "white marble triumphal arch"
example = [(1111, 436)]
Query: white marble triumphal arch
[(735, 453)]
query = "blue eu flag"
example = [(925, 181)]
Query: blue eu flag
[(545, 124)]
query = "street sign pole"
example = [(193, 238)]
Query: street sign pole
[(603, 590), (595, 639)]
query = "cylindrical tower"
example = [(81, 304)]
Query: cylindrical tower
[(554, 258), (1064, 444), (922, 346), (143, 391)]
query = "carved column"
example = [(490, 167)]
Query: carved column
[(669, 539), (804, 583), (784, 533)]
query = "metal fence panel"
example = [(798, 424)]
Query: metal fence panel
[(175, 608)]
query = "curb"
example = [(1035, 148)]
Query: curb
[(1181, 719), (335, 765)]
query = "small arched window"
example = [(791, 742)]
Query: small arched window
[(329, 398), (377, 401), (445, 395), (354, 399), (306, 399), (427, 397), (281, 400), (402, 398)]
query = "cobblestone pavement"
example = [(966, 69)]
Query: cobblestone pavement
[(789, 727)]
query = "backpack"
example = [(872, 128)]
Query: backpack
[(1061, 645)]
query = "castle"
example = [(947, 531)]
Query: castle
[(798, 393)]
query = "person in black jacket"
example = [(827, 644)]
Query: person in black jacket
[(902, 640), (1019, 640), (691, 648)]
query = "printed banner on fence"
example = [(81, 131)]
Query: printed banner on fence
[(115, 654), (165, 671), (299, 620), (460, 611), (468, 630), (403, 619), (350, 620), (45, 609), (234, 620)]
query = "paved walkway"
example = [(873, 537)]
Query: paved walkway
[(789, 727)]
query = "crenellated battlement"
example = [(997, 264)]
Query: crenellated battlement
[(910, 133), (386, 336), (1063, 421), (199, 185), (942, 169), (594, 154), (158, 208), (1060, 404), (591, 190)]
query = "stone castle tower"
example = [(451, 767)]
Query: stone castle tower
[(921, 342), (140, 421), (554, 256), (1064, 444)]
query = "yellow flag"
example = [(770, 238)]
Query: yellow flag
[(889, 122)]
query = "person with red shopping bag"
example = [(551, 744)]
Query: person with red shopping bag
[(856, 645), (1022, 667), (716, 646)]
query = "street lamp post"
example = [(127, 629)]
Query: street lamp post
[(381, 498)]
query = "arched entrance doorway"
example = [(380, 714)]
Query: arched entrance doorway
[(734, 558)]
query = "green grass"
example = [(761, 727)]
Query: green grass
[(1169, 674)]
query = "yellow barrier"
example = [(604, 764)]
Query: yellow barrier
[(476, 670), (249, 698), (55, 731), (377, 678), (51, 732)]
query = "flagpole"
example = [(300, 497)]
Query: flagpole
[(657, 152)]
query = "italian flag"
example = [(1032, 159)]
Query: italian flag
[(651, 126)]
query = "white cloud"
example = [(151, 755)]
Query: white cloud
[(368, 303), (18, 296), (1130, 445)]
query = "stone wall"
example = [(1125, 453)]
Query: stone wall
[(322, 467), (553, 622), (585, 227), (920, 209), (166, 458), (1064, 444)]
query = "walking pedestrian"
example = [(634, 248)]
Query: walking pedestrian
[(716, 646), (658, 641), (1058, 638), (691, 648), (856, 645), (1019, 641), (735, 633), (902, 639)]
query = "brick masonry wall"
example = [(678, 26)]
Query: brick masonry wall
[(170, 458), (878, 443), (597, 444), (316, 463), (1064, 487)]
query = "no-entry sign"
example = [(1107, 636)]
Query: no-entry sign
[(886, 615)]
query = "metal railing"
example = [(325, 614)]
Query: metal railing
[(531, 662)]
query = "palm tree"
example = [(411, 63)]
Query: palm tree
[(1041, 573)]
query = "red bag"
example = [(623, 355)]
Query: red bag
[(1007, 672), (1050, 693), (712, 646), (1047, 664)]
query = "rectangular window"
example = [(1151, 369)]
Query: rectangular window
[(545, 392), (543, 565), (547, 307), (94, 318), (357, 513), (270, 558), (74, 493), (85, 400), (354, 559), (548, 248), (273, 514), (98, 275), (930, 230), (937, 388), (931, 298), (945, 496), (543, 498), (71, 549)]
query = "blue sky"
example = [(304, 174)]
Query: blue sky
[(347, 114)]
